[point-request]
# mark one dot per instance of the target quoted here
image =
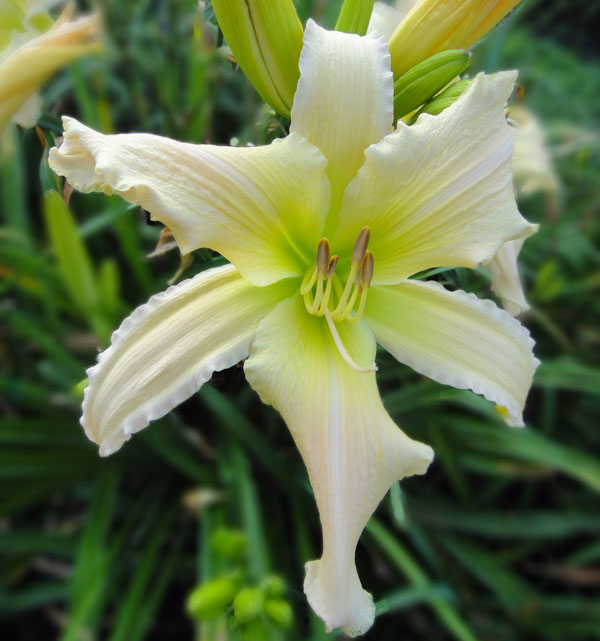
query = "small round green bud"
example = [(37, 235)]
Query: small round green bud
[(274, 586), (212, 598), (229, 544), (248, 604), (254, 631), (279, 611)]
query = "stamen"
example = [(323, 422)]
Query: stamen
[(366, 271), (333, 261), (360, 246), (346, 311), (308, 282), (323, 251), (330, 272), (341, 306), (319, 294), (365, 278), (342, 350)]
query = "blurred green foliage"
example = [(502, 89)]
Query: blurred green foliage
[(498, 541)]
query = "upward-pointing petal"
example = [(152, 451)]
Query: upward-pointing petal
[(438, 193), (263, 208), (344, 99), (351, 447), (169, 347)]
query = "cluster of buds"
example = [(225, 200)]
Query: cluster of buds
[(265, 38)]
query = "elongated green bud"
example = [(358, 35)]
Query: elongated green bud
[(248, 604), (419, 84), (354, 16), (265, 36), (210, 599), (444, 99)]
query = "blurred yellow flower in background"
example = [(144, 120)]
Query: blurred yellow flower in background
[(32, 48)]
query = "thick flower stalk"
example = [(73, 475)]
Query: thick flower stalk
[(28, 57), (323, 230), (434, 25)]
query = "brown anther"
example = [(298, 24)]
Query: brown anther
[(323, 251), (366, 270), (360, 246), (333, 261)]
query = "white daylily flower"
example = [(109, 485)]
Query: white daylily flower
[(437, 193)]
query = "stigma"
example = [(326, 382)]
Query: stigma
[(326, 294)]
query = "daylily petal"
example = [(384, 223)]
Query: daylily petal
[(456, 339), (169, 347), (506, 282), (263, 208), (344, 99), (351, 447), (438, 193), (386, 18)]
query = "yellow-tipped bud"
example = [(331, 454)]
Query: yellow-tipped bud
[(436, 25), (265, 36)]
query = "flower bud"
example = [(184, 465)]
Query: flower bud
[(444, 99), (437, 25), (228, 543), (424, 80), (354, 16), (274, 586), (279, 611), (266, 39), (212, 598), (248, 604)]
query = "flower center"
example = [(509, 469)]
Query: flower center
[(326, 295)]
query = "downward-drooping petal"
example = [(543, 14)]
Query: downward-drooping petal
[(438, 193), (456, 339), (506, 282), (169, 347), (344, 99), (352, 449), (263, 208)]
